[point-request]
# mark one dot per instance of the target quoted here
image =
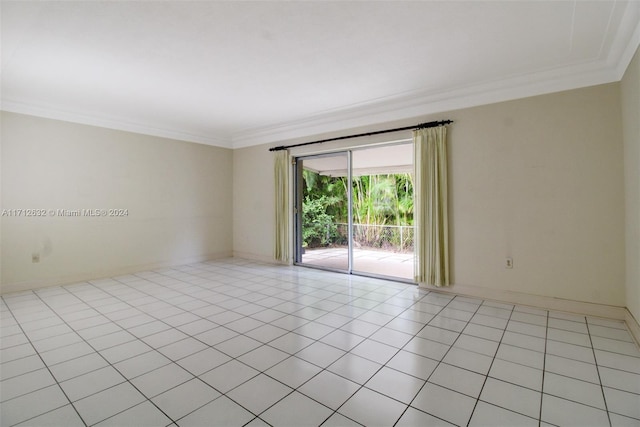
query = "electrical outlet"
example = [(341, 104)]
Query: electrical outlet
[(508, 262), (35, 258)]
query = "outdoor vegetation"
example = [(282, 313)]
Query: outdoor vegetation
[(382, 210)]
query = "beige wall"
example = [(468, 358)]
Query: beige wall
[(538, 179), (630, 92), (253, 203), (178, 197)]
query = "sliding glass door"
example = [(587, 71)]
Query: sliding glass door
[(382, 203), (322, 211), (354, 211)]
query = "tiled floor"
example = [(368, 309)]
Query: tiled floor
[(237, 343)]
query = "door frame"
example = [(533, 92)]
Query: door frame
[(298, 166)]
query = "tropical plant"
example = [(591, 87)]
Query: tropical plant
[(377, 200)]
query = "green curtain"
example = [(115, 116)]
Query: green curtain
[(430, 206), (282, 205)]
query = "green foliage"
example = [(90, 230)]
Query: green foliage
[(377, 200), (318, 227)]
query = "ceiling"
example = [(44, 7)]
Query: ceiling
[(241, 73), (396, 158)]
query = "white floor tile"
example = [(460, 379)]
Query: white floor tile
[(575, 390), (372, 409), (489, 415), (477, 345), (337, 420), (396, 385), (524, 341), (291, 343), (264, 357), (164, 338), (238, 346), (413, 364), (566, 413), (354, 368), (516, 374), (329, 389), (343, 340), (221, 412), (296, 410), (320, 354), (427, 348), (92, 382), (622, 402), (445, 404), (618, 361), (31, 405), (20, 366), (612, 333), (396, 336), (185, 398), (143, 415), (314, 330), (571, 368), (458, 379), (160, 380), (125, 351), (108, 403), (293, 371), (620, 380), (216, 335), (266, 333), (570, 351), (228, 376), (139, 365), (568, 325), (413, 417), (486, 332), (616, 346), (65, 416), (468, 360), (375, 351), (259, 393), (23, 384), (63, 354), (622, 421), (512, 397)]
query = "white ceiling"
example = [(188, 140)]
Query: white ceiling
[(241, 73), (396, 158)]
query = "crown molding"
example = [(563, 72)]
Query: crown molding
[(403, 106), (14, 106), (422, 103)]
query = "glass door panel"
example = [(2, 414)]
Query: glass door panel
[(382, 209), (322, 211)]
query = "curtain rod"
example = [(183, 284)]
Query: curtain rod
[(420, 126)]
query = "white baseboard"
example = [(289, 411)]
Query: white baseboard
[(548, 303), (28, 285), (259, 258), (634, 327)]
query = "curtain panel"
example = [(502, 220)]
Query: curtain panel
[(281, 175), (431, 206)]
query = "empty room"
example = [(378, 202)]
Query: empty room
[(320, 213)]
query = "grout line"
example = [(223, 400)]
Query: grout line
[(52, 376), (544, 365), (604, 397), (486, 377), (219, 282)]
